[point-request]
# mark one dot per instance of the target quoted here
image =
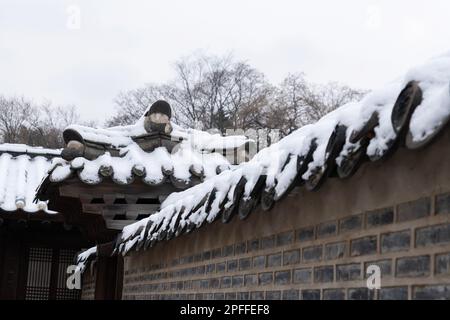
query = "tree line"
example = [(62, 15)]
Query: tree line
[(206, 92)]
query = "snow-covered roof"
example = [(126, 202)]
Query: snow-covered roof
[(409, 111), (128, 152), (21, 170), (85, 257)]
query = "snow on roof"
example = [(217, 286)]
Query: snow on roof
[(21, 170), (13, 148), (194, 153), (85, 257), (409, 111)]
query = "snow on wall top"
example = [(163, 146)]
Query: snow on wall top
[(21, 170), (409, 111)]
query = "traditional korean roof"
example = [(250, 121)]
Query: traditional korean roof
[(21, 170), (408, 112), (154, 150)]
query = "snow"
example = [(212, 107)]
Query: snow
[(279, 161), (22, 168), (82, 258), (433, 78), (180, 160), (23, 148)]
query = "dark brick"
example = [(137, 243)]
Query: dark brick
[(348, 272), (240, 248), (210, 268), (257, 295), (191, 271), (196, 284), (395, 241), (216, 253), (237, 281), (209, 296), (363, 246), (302, 275), (291, 294), (414, 210), (250, 280), (305, 234), (324, 274), (265, 278), (291, 257), (442, 263), (380, 217), (245, 263), (432, 292), (394, 293), (197, 257), (221, 267), (274, 260), (225, 282), (214, 283), (242, 295), (253, 245), (283, 277), (219, 296), (200, 270), (199, 296), (273, 295), (335, 250), (285, 238), (333, 294), (204, 284), (259, 262), (443, 203), (230, 296), (228, 251), (350, 223), (327, 229), (313, 253), (437, 234), (206, 255), (313, 294), (413, 266), (267, 242), (360, 294), (232, 265), (385, 266)]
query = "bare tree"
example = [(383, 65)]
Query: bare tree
[(322, 99), (297, 102), (16, 113), (218, 92), (132, 104), (285, 111), (207, 91), (50, 125), (23, 121)]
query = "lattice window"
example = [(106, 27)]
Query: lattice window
[(39, 274), (41, 283), (66, 257)]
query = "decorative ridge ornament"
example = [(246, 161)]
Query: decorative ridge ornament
[(157, 118)]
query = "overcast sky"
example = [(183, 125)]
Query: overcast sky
[(120, 45)]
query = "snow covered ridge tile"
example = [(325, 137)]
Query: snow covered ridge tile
[(154, 150), (408, 112), (21, 169)]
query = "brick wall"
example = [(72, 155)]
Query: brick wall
[(410, 242), (318, 245)]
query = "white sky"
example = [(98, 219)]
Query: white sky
[(121, 45)]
